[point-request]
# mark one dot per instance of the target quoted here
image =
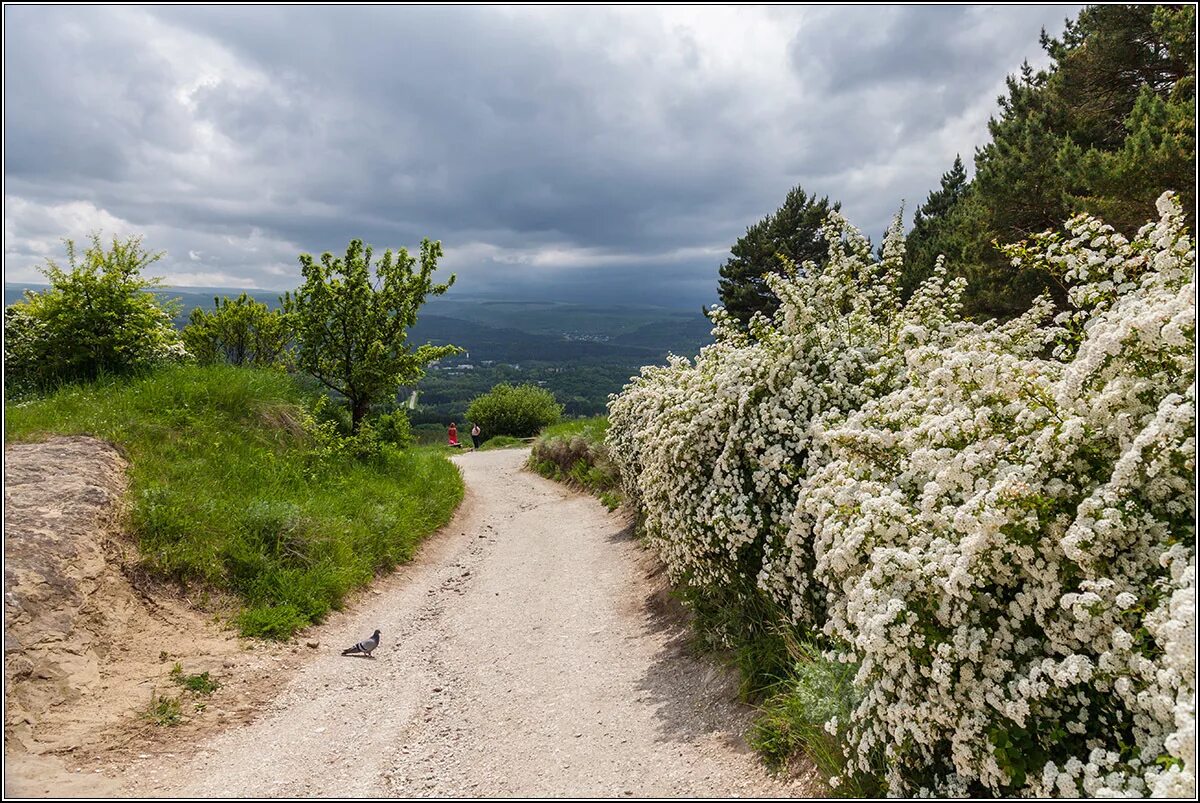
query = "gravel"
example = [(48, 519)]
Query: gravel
[(527, 651)]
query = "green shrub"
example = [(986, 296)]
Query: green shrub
[(817, 694), (24, 342), (238, 331), (96, 319), (394, 428), (519, 411)]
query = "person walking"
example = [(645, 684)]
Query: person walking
[(475, 430), (454, 436)]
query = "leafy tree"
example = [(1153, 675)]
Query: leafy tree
[(516, 410), (239, 331), (97, 318), (794, 232), (351, 322)]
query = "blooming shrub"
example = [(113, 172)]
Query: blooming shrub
[(995, 523), (715, 452)]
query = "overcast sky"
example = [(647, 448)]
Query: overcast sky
[(603, 153)]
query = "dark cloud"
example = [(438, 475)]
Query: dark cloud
[(577, 147)]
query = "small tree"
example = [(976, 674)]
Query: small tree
[(519, 411), (239, 331), (351, 324), (96, 318)]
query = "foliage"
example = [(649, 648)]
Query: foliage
[(334, 438), (793, 233), (97, 318), (166, 712), (501, 442), (993, 522), (930, 217), (393, 428), (233, 487), (1104, 130), (516, 410), (351, 322), (793, 721), (574, 452), (238, 331), (25, 340), (197, 683)]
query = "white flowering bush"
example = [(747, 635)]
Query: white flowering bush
[(714, 452), (995, 523)]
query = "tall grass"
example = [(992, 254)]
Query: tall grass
[(573, 452), (228, 490), (593, 429)]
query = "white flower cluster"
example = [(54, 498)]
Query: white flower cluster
[(995, 522)]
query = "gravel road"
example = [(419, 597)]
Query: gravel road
[(528, 651)]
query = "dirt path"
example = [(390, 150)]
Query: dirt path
[(525, 652)]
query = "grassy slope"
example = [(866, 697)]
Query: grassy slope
[(592, 429), (574, 452), (228, 491)]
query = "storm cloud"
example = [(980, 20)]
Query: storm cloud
[(558, 152)]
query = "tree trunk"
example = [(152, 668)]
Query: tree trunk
[(358, 411)]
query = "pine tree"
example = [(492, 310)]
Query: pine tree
[(940, 201), (792, 231), (1105, 129), (933, 233)]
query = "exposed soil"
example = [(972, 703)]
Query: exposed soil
[(529, 650), (85, 648)]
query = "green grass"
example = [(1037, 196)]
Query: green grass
[(573, 452), (200, 684), (165, 712), (593, 429), (502, 442), (791, 721), (228, 490), (784, 674)]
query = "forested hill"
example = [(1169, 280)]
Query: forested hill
[(509, 345), (579, 363)]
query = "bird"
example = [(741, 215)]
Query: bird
[(365, 646)]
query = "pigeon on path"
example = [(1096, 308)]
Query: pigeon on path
[(365, 646)]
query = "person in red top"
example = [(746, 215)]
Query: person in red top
[(454, 436)]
